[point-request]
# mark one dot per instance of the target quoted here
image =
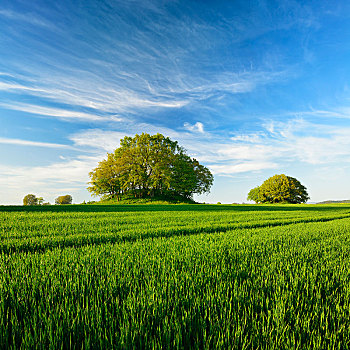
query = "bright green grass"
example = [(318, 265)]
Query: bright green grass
[(175, 276)]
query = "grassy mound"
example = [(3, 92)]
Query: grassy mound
[(153, 200)]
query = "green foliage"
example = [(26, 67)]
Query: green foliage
[(175, 276), (31, 199), (254, 195), (67, 199), (279, 189), (149, 166)]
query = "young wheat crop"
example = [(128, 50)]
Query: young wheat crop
[(191, 276)]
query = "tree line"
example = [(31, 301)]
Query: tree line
[(154, 166)]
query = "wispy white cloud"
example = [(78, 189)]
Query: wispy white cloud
[(31, 18), (342, 112), (98, 139), (115, 76), (20, 142), (82, 93), (242, 167), (6, 75), (14, 86), (312, 143), (57, 112)]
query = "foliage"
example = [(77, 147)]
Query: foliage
[(31, 199), (67, 199), (149, 166), (253, 195), (175, 276), (279, 189)]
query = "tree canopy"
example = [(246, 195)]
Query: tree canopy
[(31, 199), (67, 199), (149, 166), (279, 189)]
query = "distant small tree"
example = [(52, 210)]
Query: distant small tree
[(67, 199), (30, 199)]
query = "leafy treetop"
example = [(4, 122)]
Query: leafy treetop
[(279, 189), (67, 199)]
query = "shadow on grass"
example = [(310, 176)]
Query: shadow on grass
[(95, 208)]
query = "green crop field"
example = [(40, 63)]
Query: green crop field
[(175, 276)]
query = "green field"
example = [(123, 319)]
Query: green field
[(175, 276)]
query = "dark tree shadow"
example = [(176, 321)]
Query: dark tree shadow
[(173, 207)]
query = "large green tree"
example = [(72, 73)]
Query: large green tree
[(149, 166), (279, 189)]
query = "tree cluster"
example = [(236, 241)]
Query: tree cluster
[(279, 189), (31, 199), (149, 166)]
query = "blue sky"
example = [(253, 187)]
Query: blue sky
[(249, 88)]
